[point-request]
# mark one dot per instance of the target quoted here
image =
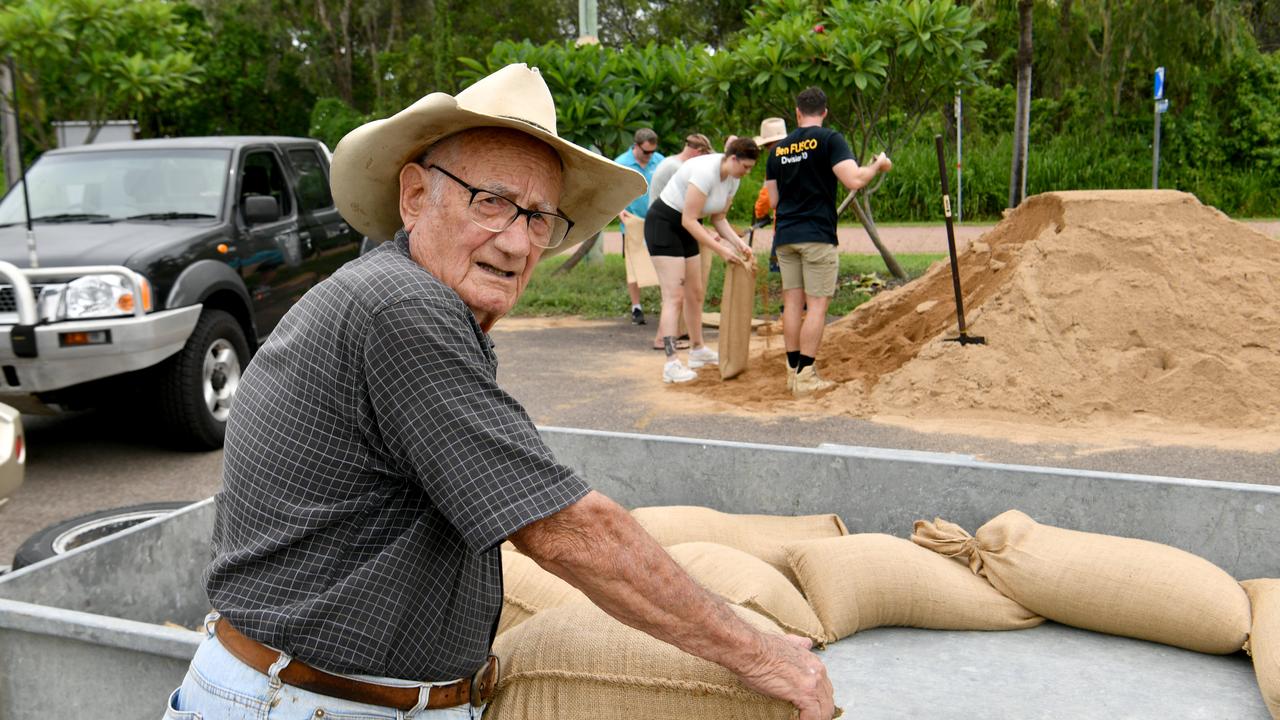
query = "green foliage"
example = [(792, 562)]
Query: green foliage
[(250, 84), (94, 60), (883, 65), (603, 95), (331, 119)]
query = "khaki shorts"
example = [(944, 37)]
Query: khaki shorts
[(811, 266)]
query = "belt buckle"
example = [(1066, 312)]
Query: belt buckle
[(484, 681)]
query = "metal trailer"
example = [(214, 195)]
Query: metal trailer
[(109, 628)]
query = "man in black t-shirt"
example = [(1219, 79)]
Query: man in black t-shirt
[(800, 177)]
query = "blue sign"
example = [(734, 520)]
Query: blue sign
[(1159, 88)]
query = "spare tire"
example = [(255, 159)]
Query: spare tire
[(70, 534)]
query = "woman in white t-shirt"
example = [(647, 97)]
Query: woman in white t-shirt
[(673, 231)]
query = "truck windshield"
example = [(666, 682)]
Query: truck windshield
[(102, 186)]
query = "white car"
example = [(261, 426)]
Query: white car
[(13, 452)]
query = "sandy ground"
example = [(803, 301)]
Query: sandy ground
[(570, 372)]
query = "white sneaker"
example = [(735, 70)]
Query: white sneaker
[(703, 356), (675, 372)]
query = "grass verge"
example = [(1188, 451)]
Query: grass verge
[(599, 290)]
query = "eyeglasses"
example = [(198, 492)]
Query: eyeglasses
[(495, 213), (646, 152)]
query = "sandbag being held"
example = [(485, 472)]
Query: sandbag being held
[(577, 663), (863, 581), (759, 535), (1116, 585), (746, 580)]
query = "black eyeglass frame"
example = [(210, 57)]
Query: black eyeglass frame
[(527, 213)]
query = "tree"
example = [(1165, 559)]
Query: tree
[(604, 95), (94, 60), (250, 81), (884, 66), (1022, 116)]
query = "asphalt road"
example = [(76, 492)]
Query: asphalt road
[(596, 375)]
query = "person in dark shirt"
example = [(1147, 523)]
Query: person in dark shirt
[(800, 177), (374, 466)]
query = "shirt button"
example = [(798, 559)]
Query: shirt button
[(319, 713)]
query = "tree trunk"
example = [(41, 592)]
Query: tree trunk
[(864, 216), (578, 254), (1022, 117), (94, 127)]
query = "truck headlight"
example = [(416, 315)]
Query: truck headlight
[(95, 296)]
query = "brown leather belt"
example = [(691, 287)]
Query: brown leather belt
[(476, 690)]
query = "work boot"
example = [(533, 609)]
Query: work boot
[(807, 382)]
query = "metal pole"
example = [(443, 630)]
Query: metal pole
[(26, 198), (1155, 152), (587, 24), (959, 154)]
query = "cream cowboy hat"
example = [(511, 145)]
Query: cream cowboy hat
[(771, 130), (365, 174)]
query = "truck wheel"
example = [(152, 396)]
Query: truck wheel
[(199, 384), (71, 534)]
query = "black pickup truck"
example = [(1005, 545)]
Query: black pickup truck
[(154, 268)]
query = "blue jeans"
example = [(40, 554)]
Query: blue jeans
[(220, 687)]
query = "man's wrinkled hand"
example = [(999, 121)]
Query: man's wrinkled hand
[(787, 670)]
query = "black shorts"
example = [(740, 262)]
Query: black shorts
[(665, 236)]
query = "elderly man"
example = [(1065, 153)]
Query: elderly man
[(373, 465)]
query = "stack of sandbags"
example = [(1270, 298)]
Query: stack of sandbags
[(1122, 586), (1264, 640), (746, 580), (760, 535), (576, 662), (863, 581), (527, 590)]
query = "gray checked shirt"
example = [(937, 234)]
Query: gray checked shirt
[(372, 468)]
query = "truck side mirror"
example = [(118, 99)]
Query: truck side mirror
[(260, 209)]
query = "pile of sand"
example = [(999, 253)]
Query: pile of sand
[(1097, 307)]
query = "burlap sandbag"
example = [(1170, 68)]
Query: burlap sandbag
[(759, 535), (746, 580), (575, 662), (1264, 639), (527, 590), (737, 305), (863, 581), (1117, 585), (639, 265)]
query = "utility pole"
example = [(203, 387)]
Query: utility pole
[(588, 30), (9, 129), (959, 154)]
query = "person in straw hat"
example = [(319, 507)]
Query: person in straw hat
[(373, 466), (771, 131)]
